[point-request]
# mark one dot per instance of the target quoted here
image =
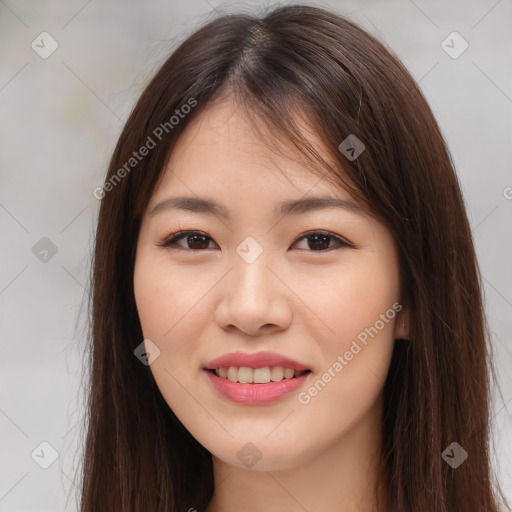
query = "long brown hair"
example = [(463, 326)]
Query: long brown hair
[(299, 60)]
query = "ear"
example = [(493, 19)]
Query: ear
[(402, 324)]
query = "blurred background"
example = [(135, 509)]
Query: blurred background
[(70, 73)]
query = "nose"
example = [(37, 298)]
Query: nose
[(255, 299)]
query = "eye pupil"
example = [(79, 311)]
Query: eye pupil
[(201, 246), (317, 238)]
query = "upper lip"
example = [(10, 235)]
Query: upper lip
[(255, 360)]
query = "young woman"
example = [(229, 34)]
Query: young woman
[(286, 308)]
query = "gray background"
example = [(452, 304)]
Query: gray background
[(59, 119)]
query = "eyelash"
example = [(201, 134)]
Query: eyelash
[(170, 241)]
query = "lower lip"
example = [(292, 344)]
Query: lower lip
[(256, 394)]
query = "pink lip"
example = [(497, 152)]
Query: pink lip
[(255, 394), (256, 360)]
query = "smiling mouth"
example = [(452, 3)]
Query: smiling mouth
[(265, 375)]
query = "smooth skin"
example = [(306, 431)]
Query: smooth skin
[(304, 299)]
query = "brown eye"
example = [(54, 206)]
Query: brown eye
[(194, 240), (319, 241)]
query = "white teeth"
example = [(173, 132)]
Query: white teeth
[(245, 374), (261, 375), (277, 373), (233, 374), (264, 375), (288, 373)]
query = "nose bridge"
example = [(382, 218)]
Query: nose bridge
[(252, 297), (251, 274)]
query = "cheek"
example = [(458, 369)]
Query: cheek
[(163, 298), (168, 319), (349, 300), (355, 331), (169, 307), (153, 299)]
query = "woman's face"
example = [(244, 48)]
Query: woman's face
[(256, 278)]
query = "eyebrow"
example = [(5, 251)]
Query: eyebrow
[(286, 208)]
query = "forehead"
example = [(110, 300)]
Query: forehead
[(221, 152)]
